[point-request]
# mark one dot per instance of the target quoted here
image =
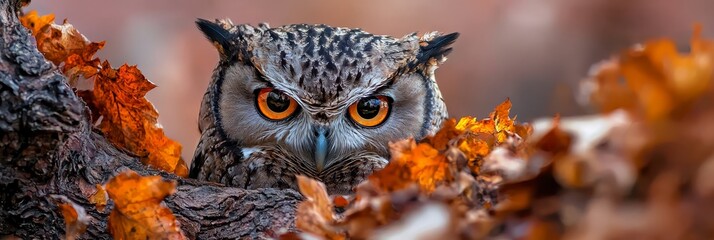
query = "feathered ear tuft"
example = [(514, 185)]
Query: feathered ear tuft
[(219, 36), (435, 46)]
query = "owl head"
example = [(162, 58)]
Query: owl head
[(316, 100)]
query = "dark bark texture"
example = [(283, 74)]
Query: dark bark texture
[(48, 147)]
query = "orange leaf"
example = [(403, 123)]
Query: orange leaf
[(75, 217), (446, 133), (64, 44), (130, 121), (83, 64), (340, 202), (476, 146), (58, 42), (138, 212), (413, 163), (181, 168), (314, 214), (498, 123), (35, 22), (503, 123), (99, 198), (477, 138)]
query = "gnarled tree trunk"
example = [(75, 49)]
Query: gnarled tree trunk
[(48, 146)]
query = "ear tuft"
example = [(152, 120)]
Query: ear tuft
[(436, 47), (218, 35)]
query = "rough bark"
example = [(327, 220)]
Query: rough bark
[(48, 146)]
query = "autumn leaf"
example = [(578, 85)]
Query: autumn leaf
[(138, 212), (61, 42), (36, 22), (128, 119), (477, 138), (64, 44), (83, 64), (413, 163), (75, 217), (476, 146), (181, 167), (372, 209), (433, 163), (498, 123), (314, 214), (446, 134), (606, 90), (340, 201), (99, 198), (428, 221)]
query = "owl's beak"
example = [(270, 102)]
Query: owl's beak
[(321, 147)]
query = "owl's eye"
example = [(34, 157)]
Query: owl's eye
[(370, 111), (274, 104)]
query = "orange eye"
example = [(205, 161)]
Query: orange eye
[(274, 104), (370, 111)]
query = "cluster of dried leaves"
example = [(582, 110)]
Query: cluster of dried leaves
[(641, 168), (441, 187), (128, 120), (116, 99)]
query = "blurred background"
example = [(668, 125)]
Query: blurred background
[(531, 51)]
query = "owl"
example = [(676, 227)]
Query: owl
[(313, 100)]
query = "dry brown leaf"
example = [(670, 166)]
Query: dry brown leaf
[(59, 42), (448, 133), (314, 214), (130, 120), (181, 167), (554, 141), (368, 213), (84, 63), (138, 212)]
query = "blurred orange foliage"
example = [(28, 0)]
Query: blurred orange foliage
[(653, 79), (641, 168)]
